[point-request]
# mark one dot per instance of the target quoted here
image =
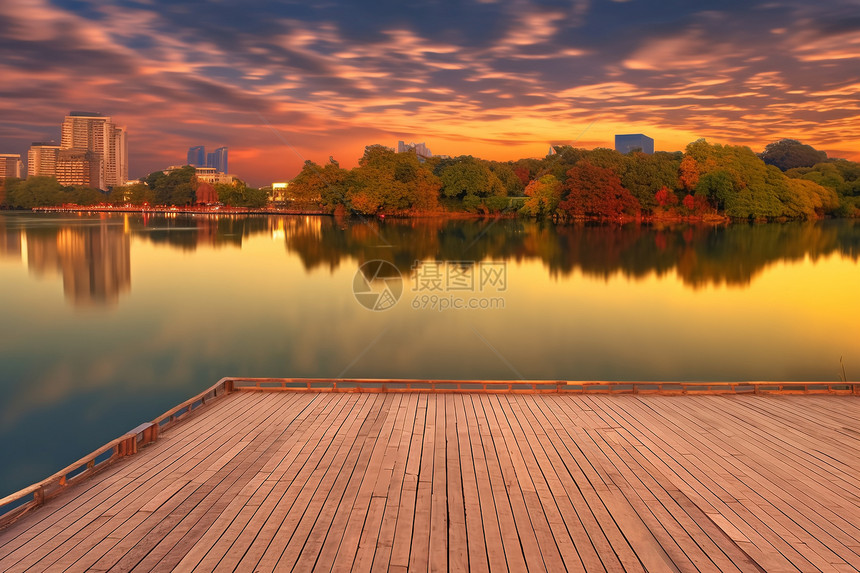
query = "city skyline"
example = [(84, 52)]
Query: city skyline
[(285, 83)]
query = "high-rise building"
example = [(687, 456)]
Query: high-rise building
[(120, 137), (420, 149), (218, 160), (42, 159), (79, 167), (106, 141), (10, 165), (197, 156), (634, 142)]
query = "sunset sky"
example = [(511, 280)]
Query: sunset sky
[(281, 82)]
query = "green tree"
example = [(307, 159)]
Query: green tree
[(644, 175), (34, 192), (790, 153), (472, 182), (514, 187), (717, 187), (173, 188), (137, 194), (85, 196)]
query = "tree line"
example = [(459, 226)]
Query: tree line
[(786, 181), (177, 187)]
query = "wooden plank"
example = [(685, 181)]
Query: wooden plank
[(204, 506), (540, 506), (716, 544), (439, 526), (396, 460), (573, 539), (519, 536), (722, 491), (474, 526), (419, 555), (401, 548), (591, 542), (455, 506)]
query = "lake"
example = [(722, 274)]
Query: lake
[(109, 320)]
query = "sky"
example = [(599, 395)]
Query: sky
[(282, 82)]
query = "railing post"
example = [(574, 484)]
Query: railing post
[(149, 434), (229, 386)]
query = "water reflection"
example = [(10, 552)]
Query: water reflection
[(700, 255), (274, 296), (93, 253)]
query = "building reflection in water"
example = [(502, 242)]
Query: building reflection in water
[(94, 260), (10, 242)]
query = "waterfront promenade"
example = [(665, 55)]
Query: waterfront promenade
[(280, 480)]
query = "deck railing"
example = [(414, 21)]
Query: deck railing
[(19, 503), (540, 386)]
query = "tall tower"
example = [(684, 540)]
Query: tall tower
[(197, 156), (107, 142), (42, 158), (120, 155), (218, 160)]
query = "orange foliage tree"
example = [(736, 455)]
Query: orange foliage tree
[(596, 192)]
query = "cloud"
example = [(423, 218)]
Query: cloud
[(510, 77)]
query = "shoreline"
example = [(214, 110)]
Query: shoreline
[(654, 219)]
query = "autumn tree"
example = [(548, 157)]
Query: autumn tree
[(592, 191), (688, 175), (543, 196), (389, 182), (324, 186), (666, 198)]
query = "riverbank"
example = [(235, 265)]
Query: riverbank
[(662, 218), (168, 210)]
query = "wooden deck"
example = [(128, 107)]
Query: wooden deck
[(284, 480)]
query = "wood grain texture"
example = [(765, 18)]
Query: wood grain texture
[(484, 481)]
